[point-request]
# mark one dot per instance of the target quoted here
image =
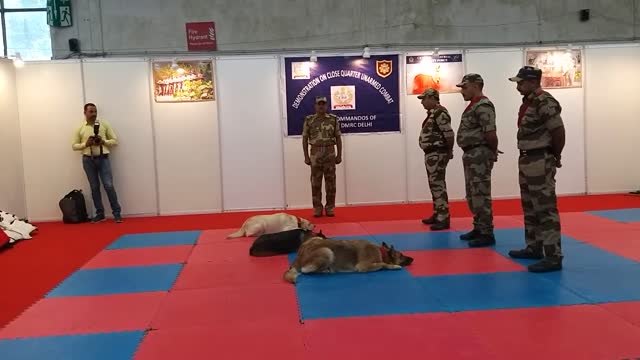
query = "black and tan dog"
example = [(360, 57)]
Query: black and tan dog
[(318, 255), (281, 243)]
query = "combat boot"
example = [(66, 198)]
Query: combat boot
[(483, 240), (470, 235), (441, 225), (530, 252), (549, 263), (430, 220)]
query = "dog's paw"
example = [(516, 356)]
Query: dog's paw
[(395, 267)]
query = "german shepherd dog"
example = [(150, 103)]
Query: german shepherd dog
[(281, 243), (318, 255)]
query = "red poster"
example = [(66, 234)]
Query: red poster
[(201, 36)]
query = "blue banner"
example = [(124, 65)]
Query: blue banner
[(363, 93)]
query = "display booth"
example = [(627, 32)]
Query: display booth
[(231, 141)]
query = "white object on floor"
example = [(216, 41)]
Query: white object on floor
[(15, 228)]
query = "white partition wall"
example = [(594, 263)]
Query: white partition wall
[(117, 87), (12, 198), (187, 156), (50, 104), (233, 153), (612, 117)]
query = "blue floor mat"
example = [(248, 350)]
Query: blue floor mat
[(109, 346), (496, 291), (384, 292), (118, 280), (622, 215), (601, 285), (170, 238)]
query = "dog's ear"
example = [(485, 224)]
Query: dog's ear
[(384, 244)]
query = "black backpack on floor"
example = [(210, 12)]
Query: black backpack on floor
[(73, 207)]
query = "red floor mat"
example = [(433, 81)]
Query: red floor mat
[(233, 340), (558, 332), (212, 307), (203, 275), (86, 315), (437, 336), (459, 261), (629, 311)]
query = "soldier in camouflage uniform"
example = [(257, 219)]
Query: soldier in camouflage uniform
[(436, 140), (541, 138), (321, 131), (479, 142)]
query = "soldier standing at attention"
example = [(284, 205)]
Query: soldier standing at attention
[(541, 139), (436, 140), (322, 132), (478, 139)]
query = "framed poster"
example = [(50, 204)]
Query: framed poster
[(183, 81), (441, 72), (362, 92), (560, 68)]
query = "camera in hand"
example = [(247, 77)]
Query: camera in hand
[(96, 138)]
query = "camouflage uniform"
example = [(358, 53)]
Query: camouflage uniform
[(322, 132), (436, 128), (478, 118), (539, 115)]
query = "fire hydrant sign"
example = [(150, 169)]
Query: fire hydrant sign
[(201, 36)]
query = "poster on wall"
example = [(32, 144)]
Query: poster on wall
[(441, 72), (560, 68), (362, 92), (183, 81)]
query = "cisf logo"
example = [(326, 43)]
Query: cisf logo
[(343, 97)]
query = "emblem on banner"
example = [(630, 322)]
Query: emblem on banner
[(384, 68), (344, 97)]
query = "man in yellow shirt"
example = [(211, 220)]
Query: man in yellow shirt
[(94, 139)]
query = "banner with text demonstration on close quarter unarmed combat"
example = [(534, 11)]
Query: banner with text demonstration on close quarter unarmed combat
[(362, 92)]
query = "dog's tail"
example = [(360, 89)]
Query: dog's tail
[(291, 275), (237, 234)]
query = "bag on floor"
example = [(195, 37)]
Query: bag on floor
[(74, 208)]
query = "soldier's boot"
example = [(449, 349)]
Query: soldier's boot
[(530, 252), (329, 212), (317, 212), (483, 240), (470, 235), (439, 225), (429, 220), (549, 263)]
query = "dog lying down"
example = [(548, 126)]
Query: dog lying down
[(281, 243), (321, 255), (268, 224)]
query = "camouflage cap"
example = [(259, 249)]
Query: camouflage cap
[(320, 99), (471, 79), (430, 92), (527, 73)]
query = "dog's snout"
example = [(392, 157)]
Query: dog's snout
[(407, 261)]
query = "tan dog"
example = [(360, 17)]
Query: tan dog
[(318, 255), (269, 224)]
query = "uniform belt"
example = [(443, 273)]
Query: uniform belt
[(322, 145), (467, 148), (440, 149), (534, 152)]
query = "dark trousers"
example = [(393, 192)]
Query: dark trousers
[(99, 169)]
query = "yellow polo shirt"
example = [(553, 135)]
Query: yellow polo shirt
[(85, 131)]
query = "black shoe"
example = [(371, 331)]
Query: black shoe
[(527, 253), (429, 221), (483, 240), (470, 235), (547, 264), (440, 225), (98, 218)]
